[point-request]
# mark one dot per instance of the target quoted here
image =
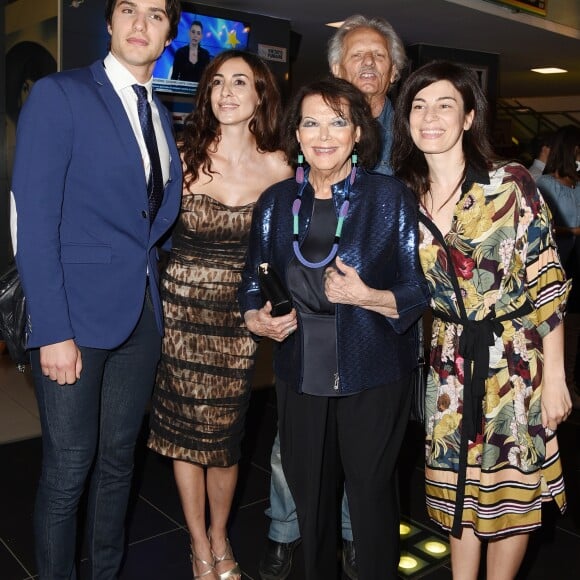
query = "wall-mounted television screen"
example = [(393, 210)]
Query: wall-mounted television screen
[(199, 38)]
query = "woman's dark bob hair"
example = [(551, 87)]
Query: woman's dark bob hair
[(562, 157), (408, 161), (336, 94), (172, 7)]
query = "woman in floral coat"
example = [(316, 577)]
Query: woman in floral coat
[(496, 390)]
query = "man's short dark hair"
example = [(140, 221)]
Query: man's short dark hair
[(172, 7)]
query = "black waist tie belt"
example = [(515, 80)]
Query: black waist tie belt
[(474, 343)]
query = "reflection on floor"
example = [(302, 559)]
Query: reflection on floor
[(158, 540)]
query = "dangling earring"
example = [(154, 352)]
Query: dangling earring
[(354, 163), (300, 168)]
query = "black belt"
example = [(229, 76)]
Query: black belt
[(476, 338)]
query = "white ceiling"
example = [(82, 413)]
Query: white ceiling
[(521, 40)]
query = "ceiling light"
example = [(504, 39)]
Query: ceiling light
[(549, 70), (335, 24)]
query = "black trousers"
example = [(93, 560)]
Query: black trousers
[(324, 439)]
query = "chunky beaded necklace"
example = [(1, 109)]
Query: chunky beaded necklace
[(341, 216)]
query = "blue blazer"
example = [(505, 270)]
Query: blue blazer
[(84, 242)]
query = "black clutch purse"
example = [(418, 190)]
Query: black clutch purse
[(273, 290)]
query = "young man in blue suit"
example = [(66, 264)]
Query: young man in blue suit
[(97, 186)]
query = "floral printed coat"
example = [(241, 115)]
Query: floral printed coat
[(503, 256)]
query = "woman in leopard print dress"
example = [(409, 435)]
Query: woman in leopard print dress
[(229, 153)]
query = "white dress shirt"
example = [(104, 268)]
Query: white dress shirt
[(123, 81)]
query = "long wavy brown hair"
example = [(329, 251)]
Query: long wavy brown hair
[(201, 132)]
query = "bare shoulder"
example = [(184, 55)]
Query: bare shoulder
[(276, 165), (260, 172)]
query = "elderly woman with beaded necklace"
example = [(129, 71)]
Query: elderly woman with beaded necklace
[(344, 242)]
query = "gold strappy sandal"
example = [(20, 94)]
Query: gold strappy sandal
[(210, 565), (227, 555)]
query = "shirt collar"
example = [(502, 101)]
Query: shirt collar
[(386, 113), (474, 175), (121, 78)]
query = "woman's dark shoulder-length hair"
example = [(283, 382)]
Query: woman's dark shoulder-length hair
[(562, 157), (408, 161), (335, 92), (26, 62), (202, 129)]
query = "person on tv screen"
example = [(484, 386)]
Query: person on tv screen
[(190, 61)]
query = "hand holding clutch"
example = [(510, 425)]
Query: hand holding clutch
[(273, 290)]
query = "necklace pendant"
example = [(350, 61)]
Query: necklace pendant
[(341, 217)]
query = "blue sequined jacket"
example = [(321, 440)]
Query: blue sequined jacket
[(379, 238)]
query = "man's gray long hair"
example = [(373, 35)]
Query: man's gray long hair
[(395, 44)]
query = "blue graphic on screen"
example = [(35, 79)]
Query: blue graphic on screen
[(174, 72)]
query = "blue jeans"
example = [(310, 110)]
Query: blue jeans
[(282, 510), (89, 430)]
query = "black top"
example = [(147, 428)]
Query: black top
[(307, 284), (183, 70), (315, 313)]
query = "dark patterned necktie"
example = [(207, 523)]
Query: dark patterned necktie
[(155, 181)]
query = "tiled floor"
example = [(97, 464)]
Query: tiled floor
[(158, 541)]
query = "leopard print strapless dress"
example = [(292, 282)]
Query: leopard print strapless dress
[(204, 377)]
